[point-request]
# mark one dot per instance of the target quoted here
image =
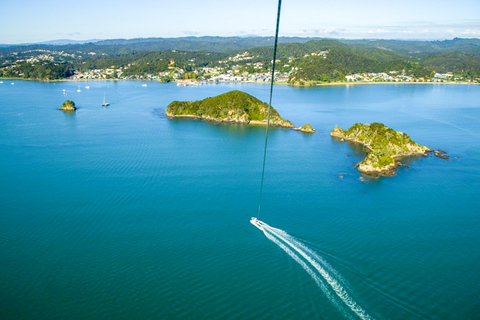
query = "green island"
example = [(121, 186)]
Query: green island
[(307, 128), (234, 107), (68, 105), (384, 146)]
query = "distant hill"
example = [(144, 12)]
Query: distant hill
[(68, 41), (453, 61), (330, 60), (206, 44), (233, 44), (59, 42), (116, 47), (421, 48)]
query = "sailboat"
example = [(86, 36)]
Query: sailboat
[(104, 104)]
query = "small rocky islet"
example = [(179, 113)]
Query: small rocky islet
[(307, 128), (68, 105)]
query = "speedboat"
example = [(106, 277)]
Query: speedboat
[(257, 223)]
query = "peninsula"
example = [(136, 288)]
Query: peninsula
[(234, 107), (384, 146)]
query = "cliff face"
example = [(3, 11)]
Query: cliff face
[(383, 144), (233, 106)]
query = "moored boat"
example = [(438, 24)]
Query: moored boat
[(105, 104)]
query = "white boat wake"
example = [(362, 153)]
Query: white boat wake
[(321, 272)]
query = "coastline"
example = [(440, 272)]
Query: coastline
[(251, 122), (380, 82), (338, 83)]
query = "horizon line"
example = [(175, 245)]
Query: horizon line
[(73, 42)]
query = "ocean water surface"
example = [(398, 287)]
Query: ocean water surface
[(120, 212)]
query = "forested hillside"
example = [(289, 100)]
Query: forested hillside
[(301, 60)]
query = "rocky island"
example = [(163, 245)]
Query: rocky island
[(68, 105), (307, 128), (384, 146), (234, 107)]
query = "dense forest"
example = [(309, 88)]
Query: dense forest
[(39, 71), (233, 106)]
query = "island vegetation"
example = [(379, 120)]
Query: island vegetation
[(384, 146), (234, 106), (68, 105)]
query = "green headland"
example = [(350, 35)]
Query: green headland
[(384, 146)]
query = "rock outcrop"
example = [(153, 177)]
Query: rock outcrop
[(307, 128), (441, 154), (68, 105)]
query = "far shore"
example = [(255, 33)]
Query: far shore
[(378, 82), (339, 83)]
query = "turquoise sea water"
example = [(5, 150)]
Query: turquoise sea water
[(121, 213)]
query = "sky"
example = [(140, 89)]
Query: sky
[(29, 21)]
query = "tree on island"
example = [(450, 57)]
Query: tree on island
[(68, 105)]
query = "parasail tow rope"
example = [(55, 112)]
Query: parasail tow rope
[(269, 105)]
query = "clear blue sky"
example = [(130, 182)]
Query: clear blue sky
[(33, 21)]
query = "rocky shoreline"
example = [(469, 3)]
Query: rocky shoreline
[(231, 120)]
